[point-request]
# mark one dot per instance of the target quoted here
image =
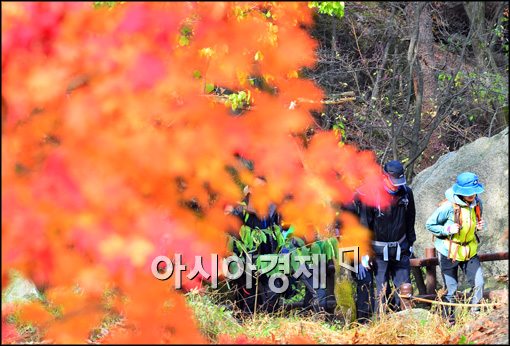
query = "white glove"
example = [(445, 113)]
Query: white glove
[(362, 272), (452, 229), (364, 261), (363, 268)]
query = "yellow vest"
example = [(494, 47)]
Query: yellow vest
[(463, 245)]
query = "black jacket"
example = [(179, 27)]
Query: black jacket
[(392, 223), (252, 220)]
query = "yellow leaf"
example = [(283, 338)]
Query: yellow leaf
[(138, 250), (292, 74), (112, 246)]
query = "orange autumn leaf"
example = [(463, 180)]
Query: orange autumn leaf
[(74, 328), (114, 151), (35, 312), (302, 340), (66, 298), (354, 234)]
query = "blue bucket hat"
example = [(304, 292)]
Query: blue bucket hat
[(467, 184), (394, 170)]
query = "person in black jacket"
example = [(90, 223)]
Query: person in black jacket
[(245, 297), (393, 234)]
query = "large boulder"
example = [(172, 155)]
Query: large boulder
[(488, 158)]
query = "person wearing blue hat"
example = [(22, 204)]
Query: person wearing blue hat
[(455, 224)]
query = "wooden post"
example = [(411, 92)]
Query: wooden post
[(418, 278), (431, 280), (405, 293)]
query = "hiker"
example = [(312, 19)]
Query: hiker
[(315, 299), (454, 225), (364, 277), (267, 300), (393, 235)]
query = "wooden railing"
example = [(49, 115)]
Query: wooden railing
[(427, 287)]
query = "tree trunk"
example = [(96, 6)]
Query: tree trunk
[(476, 13), (425, 54), (414, 151), (375, 91), (424, 77), (334, 38)]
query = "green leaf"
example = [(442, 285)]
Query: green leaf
[(294, 263), (183, 41), (273, 271), (230, 245), (263, 237), (209, 88), (305, 251), (255, 236), (328, 250), (239, 247), (197, 74), (259, 264), (331, 8), (269, 232), (300, 242), (186, 30), (249, 241), (290, 231), (334, 245), (315, 249), (242, 233), (279, 239)]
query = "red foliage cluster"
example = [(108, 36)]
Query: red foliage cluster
[(107, 133)]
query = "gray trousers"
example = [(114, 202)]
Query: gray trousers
[(474, 274)]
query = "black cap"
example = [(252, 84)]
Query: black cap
[(395, 171)]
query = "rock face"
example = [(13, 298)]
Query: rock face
[(488, 158)]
